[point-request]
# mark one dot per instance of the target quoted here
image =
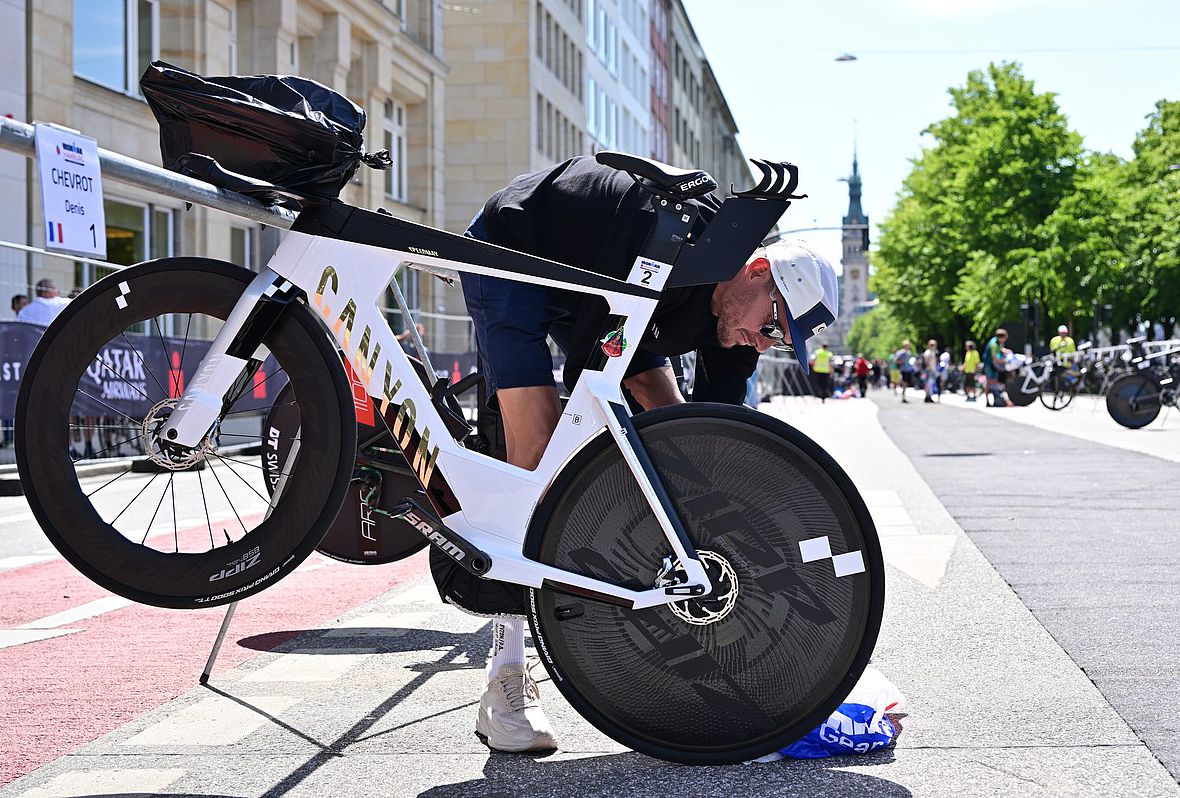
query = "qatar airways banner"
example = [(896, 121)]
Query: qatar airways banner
[(128, 376)]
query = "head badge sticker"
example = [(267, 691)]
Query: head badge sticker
[(614, 343)]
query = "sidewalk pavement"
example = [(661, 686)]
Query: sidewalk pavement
[(1086, 418), (383, 700)]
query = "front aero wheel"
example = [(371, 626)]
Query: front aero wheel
[(191, 528), (798, 576), (1133, 400)]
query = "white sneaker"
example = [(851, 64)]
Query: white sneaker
[(510, 715)]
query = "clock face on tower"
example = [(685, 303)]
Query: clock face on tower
[(854, 274)]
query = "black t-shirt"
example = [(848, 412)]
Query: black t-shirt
[(596, 218)]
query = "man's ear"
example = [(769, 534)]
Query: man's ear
[(758, 268)]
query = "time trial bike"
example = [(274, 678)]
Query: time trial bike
[(704, 582)]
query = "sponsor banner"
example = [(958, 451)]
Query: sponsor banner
[(126, 377)]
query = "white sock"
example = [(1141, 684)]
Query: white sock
[(507, 644)]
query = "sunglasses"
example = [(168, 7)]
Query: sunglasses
[(774, 331)]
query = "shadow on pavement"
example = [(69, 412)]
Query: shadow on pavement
[(384, 639), (508, 775)]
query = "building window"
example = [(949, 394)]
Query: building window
[(395, 142), (591, 107), (540, 123), (232, 55), (241, 247), (115, 40)]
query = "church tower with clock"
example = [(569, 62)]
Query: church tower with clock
[(854, 282)]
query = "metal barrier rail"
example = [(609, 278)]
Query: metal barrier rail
[(17, 137)]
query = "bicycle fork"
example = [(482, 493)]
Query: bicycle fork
[(230, 361)]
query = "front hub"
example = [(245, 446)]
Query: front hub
[(168, 455)]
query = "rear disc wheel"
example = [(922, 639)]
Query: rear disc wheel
[(788, 545), (1133, 401)]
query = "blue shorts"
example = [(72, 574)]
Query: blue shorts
[(512, 320)]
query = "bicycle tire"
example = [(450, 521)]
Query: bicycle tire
[(1133, 400), (286, 533), (750, 489), (1015, 388), (1054, 395), (358, 535)]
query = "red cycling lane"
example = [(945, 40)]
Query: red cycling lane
[(60, 693)]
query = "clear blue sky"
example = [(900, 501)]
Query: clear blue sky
[(775, 60)]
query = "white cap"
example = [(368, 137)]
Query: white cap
[(808, 285), (1063, 330)]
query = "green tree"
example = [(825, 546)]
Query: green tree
[(972, 205), (877, 333), (1153, 198), (1077, 257)]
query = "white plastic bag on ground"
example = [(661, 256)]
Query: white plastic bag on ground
[(858, 726)]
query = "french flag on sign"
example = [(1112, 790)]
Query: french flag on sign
[(60, 238)]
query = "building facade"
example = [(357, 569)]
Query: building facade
[(385, 55), (534, 82), (702, 132)]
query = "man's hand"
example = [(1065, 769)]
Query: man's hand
[(655, 388)]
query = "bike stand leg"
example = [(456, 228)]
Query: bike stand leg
[(229, 614)]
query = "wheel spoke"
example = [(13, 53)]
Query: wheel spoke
[(239, 476), (227, 498), (183, 348), (98, 360), (251, 386), (255, 410), (95, 455), (146, 367), (175, 531), (136, 496), (108, 407), (159, 504), (205, 504), (109, 481)]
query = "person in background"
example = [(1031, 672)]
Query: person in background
[(904, 360), (821, 367), (930, 368), (994, 368), (970, 367), (45, 306), (944, 371), (1062, 343), (18, 302), (862, 368)]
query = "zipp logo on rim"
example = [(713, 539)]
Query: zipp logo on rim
[(243, 563)]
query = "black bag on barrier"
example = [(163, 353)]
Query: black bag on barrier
[(243, 133)]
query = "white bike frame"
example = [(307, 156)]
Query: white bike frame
[(343, 282)]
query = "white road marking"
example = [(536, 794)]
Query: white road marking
[(18, 637), (310, 665), (142, 781), (90, 609), (20, 561), (923, 557), (213, 721)]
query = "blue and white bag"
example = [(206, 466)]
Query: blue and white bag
[(858, 726)]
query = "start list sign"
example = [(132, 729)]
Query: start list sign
[(71, 191)]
